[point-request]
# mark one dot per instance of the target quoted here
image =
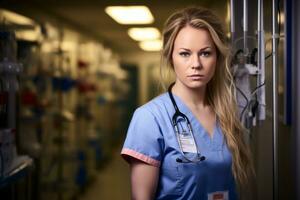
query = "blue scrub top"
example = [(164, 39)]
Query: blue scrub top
[(151, 139)]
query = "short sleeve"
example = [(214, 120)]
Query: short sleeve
[(144, 139)]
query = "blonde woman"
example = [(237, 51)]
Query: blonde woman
[(187, 143)]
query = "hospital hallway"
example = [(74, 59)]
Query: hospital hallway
[(73, 72), (111, 183)]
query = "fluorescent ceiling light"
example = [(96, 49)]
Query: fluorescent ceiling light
[(130, 14), (28, 35), (140, 34), (15, 18), (151, 45)]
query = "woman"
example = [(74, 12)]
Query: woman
[(188, 142)]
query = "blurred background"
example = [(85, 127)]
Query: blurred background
[(73, 72)]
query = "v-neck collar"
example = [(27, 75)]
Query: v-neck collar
[(216, 142), (194, 120)]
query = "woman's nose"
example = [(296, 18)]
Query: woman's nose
[(196, 63)]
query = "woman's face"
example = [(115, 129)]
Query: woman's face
[(194, 57)]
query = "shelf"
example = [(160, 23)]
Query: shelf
[(18, 171)]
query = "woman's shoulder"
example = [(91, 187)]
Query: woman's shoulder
[(155, 106)]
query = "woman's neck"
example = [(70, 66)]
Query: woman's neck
[(192, 97)]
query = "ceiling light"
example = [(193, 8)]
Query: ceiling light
[(130, 14), (28, 35), (151, 45), (15, 18), (141, 34)]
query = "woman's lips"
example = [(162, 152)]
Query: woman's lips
[(196, 76)]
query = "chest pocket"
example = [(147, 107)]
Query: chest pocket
[(171, 184), (193, 175), (175, 177)]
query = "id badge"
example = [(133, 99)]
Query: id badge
[(220, 195), (187, 143)]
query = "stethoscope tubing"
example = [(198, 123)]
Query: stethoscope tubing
[(176, 115)]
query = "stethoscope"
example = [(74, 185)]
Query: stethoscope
[(175, 119)]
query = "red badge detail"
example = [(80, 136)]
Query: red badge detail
[(218, 196)]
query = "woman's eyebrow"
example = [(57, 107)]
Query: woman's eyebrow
[(208, 47), (185, 49), (204, 48)]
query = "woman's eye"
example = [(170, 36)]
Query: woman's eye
[(184, 54), (205, 53)]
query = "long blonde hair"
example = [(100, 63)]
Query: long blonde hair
[(220, 92)]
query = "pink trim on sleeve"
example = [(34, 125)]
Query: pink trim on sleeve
[(128, 152)]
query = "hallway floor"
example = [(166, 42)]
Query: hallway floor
[(112, 183)]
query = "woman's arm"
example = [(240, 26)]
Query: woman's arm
[(144, 179)]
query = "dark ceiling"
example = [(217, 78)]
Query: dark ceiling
[(88, 17)]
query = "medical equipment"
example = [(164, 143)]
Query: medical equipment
[(248, 99), (260, 97), (261, 93), (252, 103), (175, 120)]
